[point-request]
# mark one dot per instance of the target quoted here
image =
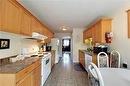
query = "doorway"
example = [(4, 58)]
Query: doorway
[(66, 45)]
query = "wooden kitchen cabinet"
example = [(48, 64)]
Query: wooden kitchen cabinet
[(29, 76), (36, 26), (14, 18), (97, 30), (27, 81), (26, 24), (82, 58), (128, 17), (37, 76), (1, 6), (10, 17)]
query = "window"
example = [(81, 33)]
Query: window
[(66, 42)]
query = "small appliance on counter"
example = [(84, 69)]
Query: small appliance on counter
[(100, 48), (48, 48)]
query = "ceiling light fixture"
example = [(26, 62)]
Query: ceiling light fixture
[(64, 29)]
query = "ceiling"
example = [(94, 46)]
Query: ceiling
[(71, 13)]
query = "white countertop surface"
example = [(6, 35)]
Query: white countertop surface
[(115, 76)]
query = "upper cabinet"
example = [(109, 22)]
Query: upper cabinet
[(26, 24), (97, 30), (36, 26), (1, 6), (128, 14), (10, 17), (14, 18)]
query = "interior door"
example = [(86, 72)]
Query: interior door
[(66, 45)]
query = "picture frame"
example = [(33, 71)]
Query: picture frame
[(4, 43)]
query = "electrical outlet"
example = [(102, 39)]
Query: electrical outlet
[(124, 65)]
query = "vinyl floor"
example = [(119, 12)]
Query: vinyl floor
[(66, 73)]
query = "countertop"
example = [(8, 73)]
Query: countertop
[(15, 67), (86, 52)]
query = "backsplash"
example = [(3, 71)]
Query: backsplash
[(17, 43)]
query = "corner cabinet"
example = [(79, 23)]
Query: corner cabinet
[(10, 17), (97, 30)]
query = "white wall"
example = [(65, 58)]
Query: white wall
[(77, 37), (16, 44), (61, 36), (120, 30)]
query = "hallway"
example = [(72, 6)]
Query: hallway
[(65, 73)]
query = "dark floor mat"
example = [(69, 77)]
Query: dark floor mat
[(78, 67)]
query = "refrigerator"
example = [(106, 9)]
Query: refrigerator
[(55, 46)]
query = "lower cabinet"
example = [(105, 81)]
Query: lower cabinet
[(82, 58), (29, 76), (27, 81), (32, 79), (37, 76)]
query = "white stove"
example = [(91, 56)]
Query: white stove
[(46, 67)]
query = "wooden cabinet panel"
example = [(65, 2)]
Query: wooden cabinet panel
[(82, 58), (36, 26), (1, 8), (106, 27), (128, 15), (25, 24), (16, 19), (37, 76), (27, 81), (98, 30), (24, 72), (11, 17)]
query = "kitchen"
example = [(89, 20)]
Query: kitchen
[(23, 18)]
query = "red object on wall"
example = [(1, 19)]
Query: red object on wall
[(108, 37)]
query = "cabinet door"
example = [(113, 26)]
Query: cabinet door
[(45, 32), (10, 17), (128, 15), (27, 81), (1, 8), (93, 33), (26, 23), (106, 27), (37, 76), (82, 58), (84, 37), (36, 26), (98, 32)]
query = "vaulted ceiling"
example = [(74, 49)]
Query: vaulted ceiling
[(71, 13)]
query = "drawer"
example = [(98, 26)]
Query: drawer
[(20, 75)]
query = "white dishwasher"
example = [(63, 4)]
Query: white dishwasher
[(46, 67), (88, 60)]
